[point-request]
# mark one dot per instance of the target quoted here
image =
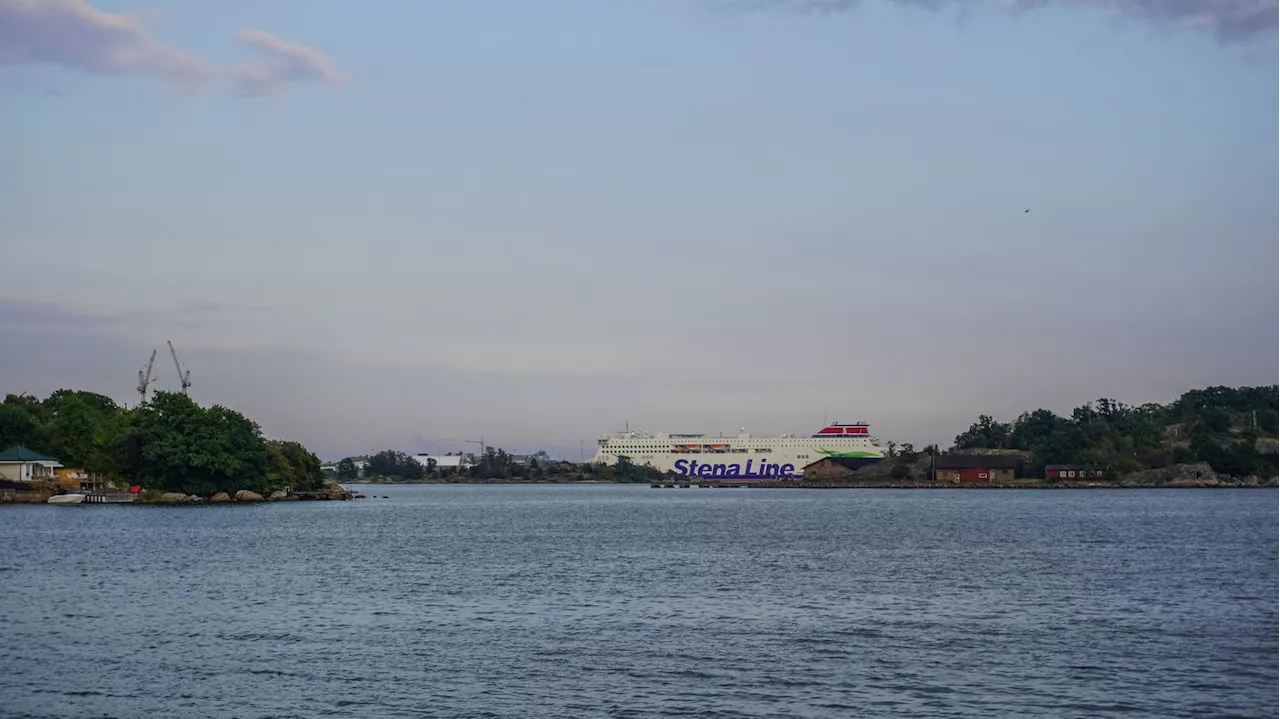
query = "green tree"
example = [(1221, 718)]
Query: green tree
[(986, 433), (182, 447), (82, 430), (1121, 467), (397, 465), (1215, 420), (347, 469), (17, 424), (292, 466)]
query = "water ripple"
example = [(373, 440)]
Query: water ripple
[(630, 602)]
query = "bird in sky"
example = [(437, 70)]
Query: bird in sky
[(1026, 210)]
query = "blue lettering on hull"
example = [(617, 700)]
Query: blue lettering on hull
[(752, 470)]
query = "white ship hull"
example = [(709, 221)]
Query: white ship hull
[(743, 458)]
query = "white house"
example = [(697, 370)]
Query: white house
[(19, 464)]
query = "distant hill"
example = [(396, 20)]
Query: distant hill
[(1233, 429)]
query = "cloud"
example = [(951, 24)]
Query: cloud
[(281, 62), (76, 35), (17, 314), (215, 306), (1231, 21)]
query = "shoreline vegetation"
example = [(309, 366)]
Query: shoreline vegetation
[(167, 450), (171, 450), (1214, 437)]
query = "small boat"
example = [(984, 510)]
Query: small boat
[(66, 499)]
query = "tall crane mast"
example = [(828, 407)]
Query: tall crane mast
[(183, 375), (145, 379)]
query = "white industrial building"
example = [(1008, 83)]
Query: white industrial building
[(444, 461)]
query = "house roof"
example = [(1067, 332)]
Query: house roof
[(18, 453), (1074, 467), (977, 461)]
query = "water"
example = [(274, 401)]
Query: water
[(624, 601)]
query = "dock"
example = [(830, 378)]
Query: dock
[(110, 498)]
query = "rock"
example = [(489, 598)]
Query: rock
[(277, 495), (220, 497), (1198, 474), (245, 495), (335, 490), (1273, 482), (172, 498), (194, 499), (1192, 483), (1267, 445)]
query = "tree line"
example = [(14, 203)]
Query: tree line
[(1217, 425), (169, 443), (495, 465)]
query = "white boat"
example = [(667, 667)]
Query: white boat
[(743, 457), (66, 499)]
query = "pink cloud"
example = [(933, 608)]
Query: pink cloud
[(74, 34), (280, 62)]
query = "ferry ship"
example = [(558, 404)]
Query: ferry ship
[(744, 457)]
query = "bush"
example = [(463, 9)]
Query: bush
[(1122, 467), (1216, 420), (149, 496)]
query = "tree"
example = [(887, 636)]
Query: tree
[(1125, 466), (1215, 420), (82, 430), (986, 433), (398, 465), (347, 469), (17, 424), (182, 447), (293, 467)]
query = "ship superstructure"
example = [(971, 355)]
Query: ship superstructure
[(742, 457)]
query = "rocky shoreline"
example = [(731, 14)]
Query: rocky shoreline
[(330, 492)]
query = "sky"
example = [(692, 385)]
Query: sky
[(382, 225)]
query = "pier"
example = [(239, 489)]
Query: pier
[(110, 498)]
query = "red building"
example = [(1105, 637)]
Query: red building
[(976, 468)]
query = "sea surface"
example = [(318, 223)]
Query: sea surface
[(626, 601)]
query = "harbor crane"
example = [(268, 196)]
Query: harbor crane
[(183, 375), (145, 379)]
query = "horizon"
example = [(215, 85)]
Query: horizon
[(533, 224)]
